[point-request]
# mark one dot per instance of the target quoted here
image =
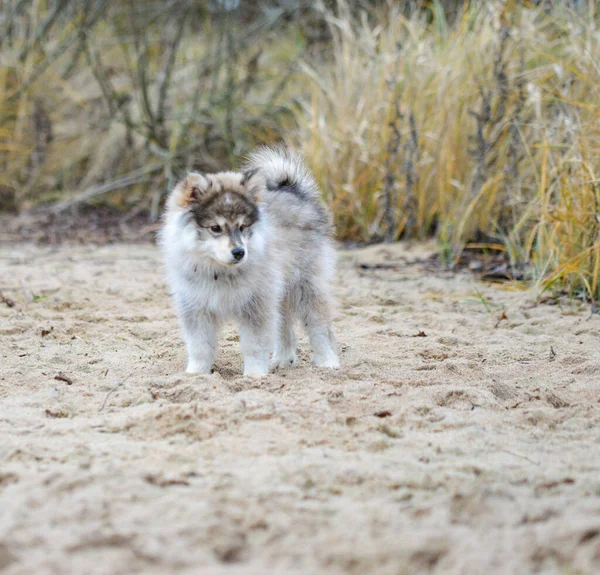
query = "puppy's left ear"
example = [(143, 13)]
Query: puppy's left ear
[(253, 183), (190, 190)]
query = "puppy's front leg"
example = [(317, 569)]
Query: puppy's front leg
[(200, 331), (258, 326)]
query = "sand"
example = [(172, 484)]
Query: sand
[(461, 434)]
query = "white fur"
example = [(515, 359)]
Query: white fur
[(285, 274)]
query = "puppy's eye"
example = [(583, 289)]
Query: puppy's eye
[(242, 228), (216, 229)]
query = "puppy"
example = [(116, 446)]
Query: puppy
[(256, 246)]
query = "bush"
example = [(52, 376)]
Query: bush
[(474, 122), (484, 131)]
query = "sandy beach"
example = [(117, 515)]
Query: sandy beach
[(461, 434)]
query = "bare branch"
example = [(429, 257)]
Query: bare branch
[(10, 20), (124, 181), (171, 53), (62, 48), (389, 181), (141, 45), (43, 28)]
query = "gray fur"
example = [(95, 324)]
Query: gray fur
[(273, 211)]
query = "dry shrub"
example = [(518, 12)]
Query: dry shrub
[(113, 99), (497, 116), (481, 130)]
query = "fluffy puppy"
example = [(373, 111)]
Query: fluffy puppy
[(255, 246)]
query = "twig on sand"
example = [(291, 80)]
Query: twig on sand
[(62, 377), (364, 266), (501, 318), (521, 456), (115, 389), (9, 302)]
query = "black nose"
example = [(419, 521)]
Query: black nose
[(238, 253)]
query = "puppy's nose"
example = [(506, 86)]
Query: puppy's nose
[(238, 253)]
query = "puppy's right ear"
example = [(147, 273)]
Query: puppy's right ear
[(190, 190), (253, 182)]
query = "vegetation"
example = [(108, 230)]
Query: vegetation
[(103, 96), (474, 122)]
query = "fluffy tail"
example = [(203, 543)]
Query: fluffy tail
[(283, 169)]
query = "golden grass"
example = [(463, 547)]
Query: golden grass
[(481, 132), (505, 109)]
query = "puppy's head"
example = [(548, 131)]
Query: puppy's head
[(223, 213)]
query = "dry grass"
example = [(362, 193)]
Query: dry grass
[(115, 99), (498, 124), (482, 131)]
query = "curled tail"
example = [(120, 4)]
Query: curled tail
[(284, 170)]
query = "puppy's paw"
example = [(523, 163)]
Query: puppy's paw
[(256, 368), (330, 361), (255, 372), (284, 358), (198, 367)]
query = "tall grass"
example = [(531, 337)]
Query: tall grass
[(497, 120), (477, 123)]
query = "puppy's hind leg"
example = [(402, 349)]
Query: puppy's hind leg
[(258, 328), (315, 310), (285, 350)]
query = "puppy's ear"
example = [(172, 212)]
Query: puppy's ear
[(253, 183), (191, 190)]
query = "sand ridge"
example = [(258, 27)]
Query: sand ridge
[(461, 434)]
